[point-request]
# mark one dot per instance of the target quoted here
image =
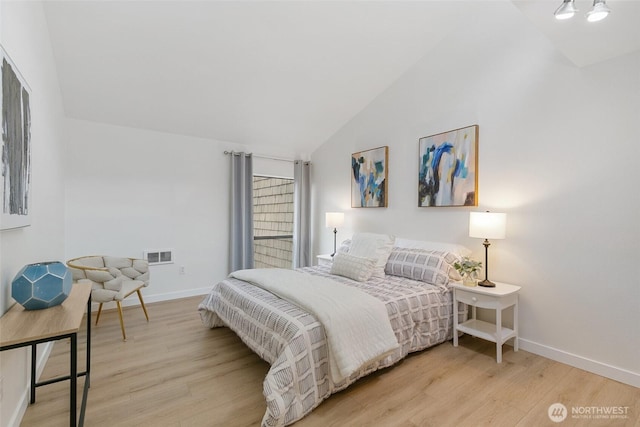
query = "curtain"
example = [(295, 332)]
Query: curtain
[(301, 214), (241, 244)]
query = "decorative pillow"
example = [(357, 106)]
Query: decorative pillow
[(371, 245), (434, 267), (353, 267)]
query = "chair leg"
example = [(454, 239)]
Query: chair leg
[(144, 308), (124, 335), (99, 311)]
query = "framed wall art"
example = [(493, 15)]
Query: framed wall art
[(15, 97), (369, 173), (448, 168)]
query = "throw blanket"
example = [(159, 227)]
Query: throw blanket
[(357, 325)]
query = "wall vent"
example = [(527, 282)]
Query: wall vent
[(158, 256)]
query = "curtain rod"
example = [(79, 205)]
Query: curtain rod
[(280, 159)]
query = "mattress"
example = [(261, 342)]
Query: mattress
[(294, 343)]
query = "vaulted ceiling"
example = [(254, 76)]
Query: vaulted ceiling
[(286, 74)]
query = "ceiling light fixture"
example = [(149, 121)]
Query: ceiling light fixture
[(566, 10), (599, 11)]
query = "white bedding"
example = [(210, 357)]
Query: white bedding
[(357, 325)]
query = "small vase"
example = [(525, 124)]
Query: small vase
[(42, 285), (470, 279)]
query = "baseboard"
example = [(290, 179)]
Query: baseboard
[(599, 368), (151, 298), (41, 361), (175, 295)]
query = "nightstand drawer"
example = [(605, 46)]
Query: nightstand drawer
[(479, 300)]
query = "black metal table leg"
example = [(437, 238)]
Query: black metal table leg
[(87, 379), (73, 380), (89, 340), (32, 399)]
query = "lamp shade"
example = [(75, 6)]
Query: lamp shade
[(599, 11), (488, 225), (334, 219), (566, 10)]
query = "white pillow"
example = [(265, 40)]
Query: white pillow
[(432, 246), (372, 245), (353, 267)]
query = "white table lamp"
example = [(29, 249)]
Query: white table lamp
[(487, 225), (334, 220)]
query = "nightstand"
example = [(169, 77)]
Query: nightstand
[(498, 298), (325, 260)]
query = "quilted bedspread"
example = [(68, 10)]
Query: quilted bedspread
[(294, 342), (356, 324)]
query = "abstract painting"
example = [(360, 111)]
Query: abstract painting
[(448, 168), (16, 146), (369, 173)]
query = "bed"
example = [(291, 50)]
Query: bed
[(412, 287)]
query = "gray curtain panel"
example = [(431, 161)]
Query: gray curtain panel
[(241, 245), (301, 214)]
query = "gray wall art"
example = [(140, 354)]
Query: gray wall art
[(15, 97)]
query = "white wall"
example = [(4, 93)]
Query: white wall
[(130, 189), (25, 38), (558, 153), (559, 160)]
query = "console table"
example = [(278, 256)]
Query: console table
[(22, 328)]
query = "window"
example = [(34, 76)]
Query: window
[(273, 222)]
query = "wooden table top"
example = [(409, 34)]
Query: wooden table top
[(18, 325)]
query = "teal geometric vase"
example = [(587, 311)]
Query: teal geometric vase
[(41, 285)]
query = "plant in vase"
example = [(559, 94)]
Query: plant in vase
[(468, 269)]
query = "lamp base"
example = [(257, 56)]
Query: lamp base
[(487, 284), (335, 234)]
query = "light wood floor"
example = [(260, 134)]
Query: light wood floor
[(173, 371)]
